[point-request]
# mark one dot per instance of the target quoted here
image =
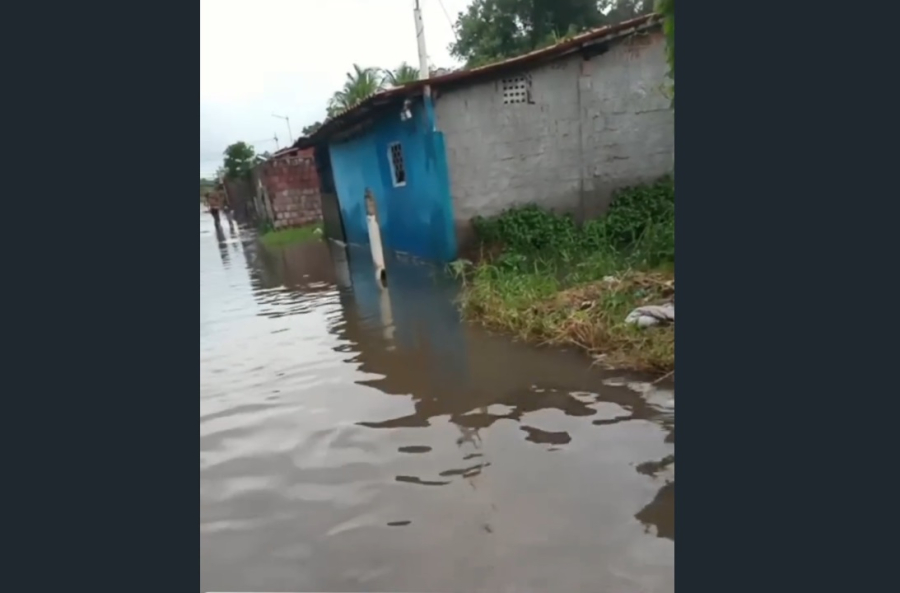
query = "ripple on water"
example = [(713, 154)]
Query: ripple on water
[(358, 438)]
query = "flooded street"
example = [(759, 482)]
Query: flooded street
[(360, 439)]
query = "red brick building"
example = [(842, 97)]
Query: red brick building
[(288, 189)]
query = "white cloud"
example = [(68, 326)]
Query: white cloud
[(288, 57)]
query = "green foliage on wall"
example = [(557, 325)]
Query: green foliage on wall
[(639, 226), (666, 8)]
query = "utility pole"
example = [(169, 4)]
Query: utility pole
[(423, 62), (288, 120), (420, 39)]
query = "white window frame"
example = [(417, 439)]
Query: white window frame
[(390, 157)]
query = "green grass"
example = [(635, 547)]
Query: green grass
[(545, 279), (584, 307), (303, 234)]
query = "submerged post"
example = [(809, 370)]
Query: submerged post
[(375, 236)]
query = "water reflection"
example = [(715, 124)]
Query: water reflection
[(536, 435), (334, 409), (659, 513), (414, 449), (223, 246)]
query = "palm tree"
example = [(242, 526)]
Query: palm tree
[(403, 74), (361, 84)]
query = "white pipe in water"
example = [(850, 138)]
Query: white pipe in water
[(375, 236)]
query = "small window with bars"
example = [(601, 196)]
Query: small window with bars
[(517, 90), (398, 167)]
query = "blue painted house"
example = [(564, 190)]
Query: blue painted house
[(389, 146), (563, 127)]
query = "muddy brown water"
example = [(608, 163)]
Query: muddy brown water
[(360, 439)]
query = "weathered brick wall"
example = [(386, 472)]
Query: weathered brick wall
[(292, 187)]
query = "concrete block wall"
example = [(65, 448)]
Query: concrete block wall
[(499, 155), (591, 126), (292, 187), (628, 122)]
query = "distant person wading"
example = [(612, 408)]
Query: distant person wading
[(215, 201)]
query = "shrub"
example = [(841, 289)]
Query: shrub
[(639, 226)]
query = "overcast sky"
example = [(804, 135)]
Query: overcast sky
[(289, 56)]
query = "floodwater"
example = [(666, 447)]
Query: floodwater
[(360, 439)]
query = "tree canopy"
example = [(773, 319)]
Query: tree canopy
[(311, 128), (360, 84), (492, 30), (402, 74), (239, 160)]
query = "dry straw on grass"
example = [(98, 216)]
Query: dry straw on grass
[(590, 317)]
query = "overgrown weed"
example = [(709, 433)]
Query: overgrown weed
[(546, 279)]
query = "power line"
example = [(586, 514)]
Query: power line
[(269, 139), (449, 20), (288, 120)]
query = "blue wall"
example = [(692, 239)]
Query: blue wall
[(416, 218)]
